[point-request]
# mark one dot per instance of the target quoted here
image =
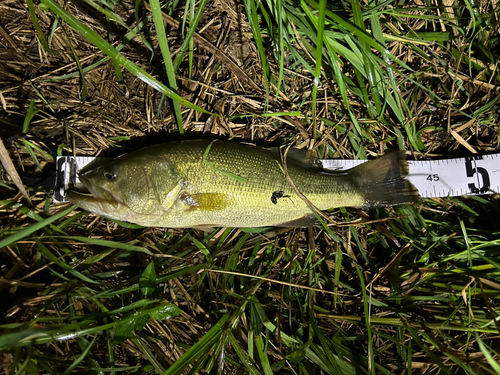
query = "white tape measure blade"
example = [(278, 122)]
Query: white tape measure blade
[(67, 173), (473, 175)]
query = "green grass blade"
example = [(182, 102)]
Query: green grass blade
[(105, 47), (251, 10), (264, 360), (39, 33), (131, 32), (366, 304), (29, 116), (83, 93), (81, 357), (147, 281), (225, 173), (247, 362), (188, 41), (319, 58), (34, 227), (107, 243), (167, 60), (199, 348), (48, 254), (28, 146), (486, 351)]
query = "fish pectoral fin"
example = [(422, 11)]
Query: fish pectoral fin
[(206, 201), (308, 220)]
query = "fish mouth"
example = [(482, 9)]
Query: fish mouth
[(98, 200), (93, 204), (84, 200)]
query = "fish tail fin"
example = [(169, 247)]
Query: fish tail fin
[(384, 182)]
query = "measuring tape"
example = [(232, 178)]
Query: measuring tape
[(473, 175), (67, 168)]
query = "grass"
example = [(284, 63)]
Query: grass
[(410, 289)]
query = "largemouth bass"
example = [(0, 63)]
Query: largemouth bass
[(206, 183)]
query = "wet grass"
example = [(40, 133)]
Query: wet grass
[(410, 289)]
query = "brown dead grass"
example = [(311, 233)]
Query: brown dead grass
[(129, 109)]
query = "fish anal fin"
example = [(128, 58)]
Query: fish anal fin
[(205, 228), (308, 220), (206, 201)]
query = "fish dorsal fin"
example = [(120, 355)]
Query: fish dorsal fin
[(304, 158), (206, 201)]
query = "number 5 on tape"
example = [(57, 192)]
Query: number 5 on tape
[(480, 173)]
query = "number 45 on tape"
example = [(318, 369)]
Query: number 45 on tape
[(435, 178)]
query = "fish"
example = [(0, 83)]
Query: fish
[(207, 184)]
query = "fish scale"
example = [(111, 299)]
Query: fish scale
[(252, 199)]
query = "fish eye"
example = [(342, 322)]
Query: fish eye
[(109, 176)]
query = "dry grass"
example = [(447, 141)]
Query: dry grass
[(416, 290)]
